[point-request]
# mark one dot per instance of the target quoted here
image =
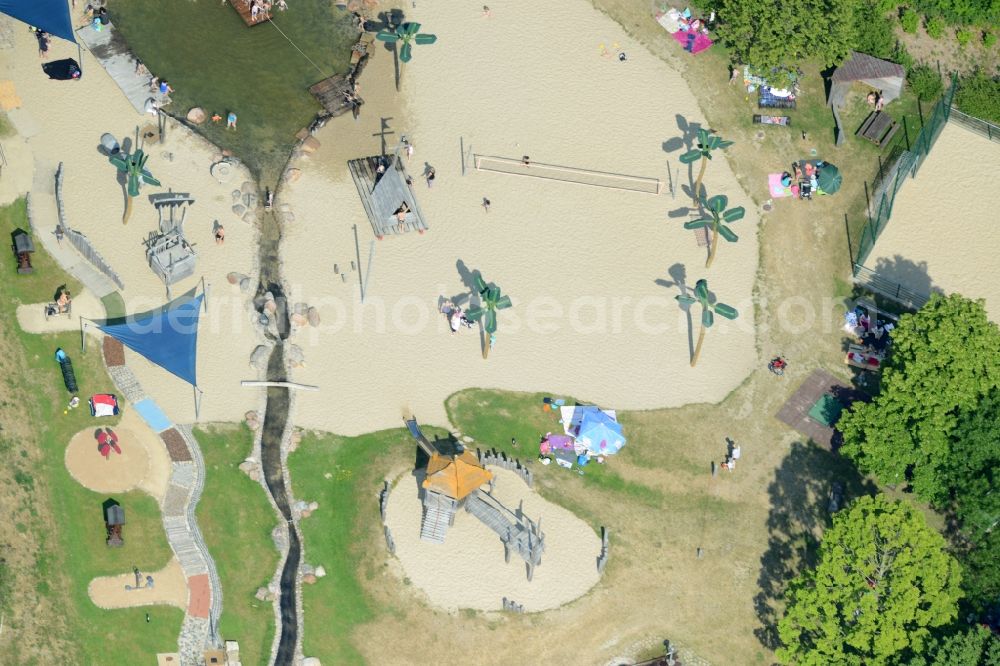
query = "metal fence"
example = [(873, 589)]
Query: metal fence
[(872, 281), (977, 125), (893, 171)]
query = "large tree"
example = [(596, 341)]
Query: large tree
[(882, 581), (945, 361), (973, 646), (783, 33)]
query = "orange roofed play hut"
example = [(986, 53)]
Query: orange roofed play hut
[(454, 477)]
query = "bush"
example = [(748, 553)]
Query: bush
[(963, 36), (989, 40), (935, 27), (873, 32), (925, 82), (910, 20), (979, 95)]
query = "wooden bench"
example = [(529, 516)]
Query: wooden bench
[(771, 120), (878, 128)]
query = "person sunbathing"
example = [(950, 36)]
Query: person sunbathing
[(64, 301)]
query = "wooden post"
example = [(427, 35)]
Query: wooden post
[(357, 251)]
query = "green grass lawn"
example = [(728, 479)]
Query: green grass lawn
[(495, 418), (236, 520), (213, 60), (72, 551), (334, 534)]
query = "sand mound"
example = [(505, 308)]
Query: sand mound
[(169, 587), (143, 462), (472, 554)]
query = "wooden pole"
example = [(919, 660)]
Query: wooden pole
[(357, 251)]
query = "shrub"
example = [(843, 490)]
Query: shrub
[(873, 32), (925, 82), (979, 95), (935, 27), (910, 20), (963, 36), (989, 40)]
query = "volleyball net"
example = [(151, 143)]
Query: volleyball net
[(522, 167)]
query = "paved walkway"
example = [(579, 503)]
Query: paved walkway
[(187, 479), (115, 57), (795, 412)]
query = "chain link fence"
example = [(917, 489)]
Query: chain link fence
[(893, 171)]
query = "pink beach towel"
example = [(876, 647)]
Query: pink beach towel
[(775, 187), (701, 40)]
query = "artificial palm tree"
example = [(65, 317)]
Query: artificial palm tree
[(408, 34), (708, 312), (720, 218), (707, 143), (490, 300), (133, 165)]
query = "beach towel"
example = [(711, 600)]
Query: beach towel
[(693, 42), (776, 189)]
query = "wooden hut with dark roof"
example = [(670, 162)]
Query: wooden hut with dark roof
[(882, 75)]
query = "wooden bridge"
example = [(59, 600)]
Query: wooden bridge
[(517, 532)]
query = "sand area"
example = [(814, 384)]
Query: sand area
[(943, 233), (143, 462), (169, 587), (31, 316), (62, 121), (581, 263), (468, 569)]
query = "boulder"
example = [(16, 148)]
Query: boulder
[(307, 569), (467, 439), (309, 579), (320, 571), (239, 209), (262, 594), (271, 306), (288, 216), (260, 356), (250, 199), (293, 174), (252, 416), (196, 115), (313, 506), (309, 661), (300, 505), (309, 145), (245, 284), (306, 513), (299, 320), (300, 308), (247, 186), (312, 314), (294, 355), (237, 195), (234, 278)]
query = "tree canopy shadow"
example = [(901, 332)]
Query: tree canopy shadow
[(800, 511)]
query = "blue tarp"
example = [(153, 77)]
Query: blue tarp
[(168, 336), (52, 16), (600, 433)]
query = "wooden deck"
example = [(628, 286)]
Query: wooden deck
[(336, 95), (795, 412), (242, 8), (381, 195)]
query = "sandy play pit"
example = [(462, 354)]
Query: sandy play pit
[(468, 569), (169, 587), (143, 462)]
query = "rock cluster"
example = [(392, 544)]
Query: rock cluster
[(251, 468), (252, 419)]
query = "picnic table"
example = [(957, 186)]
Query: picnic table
[(860, 357), (879, 128)]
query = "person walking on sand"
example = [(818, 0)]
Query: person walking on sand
[(486, 204), (220, 233), (487, 12), (430, 177)]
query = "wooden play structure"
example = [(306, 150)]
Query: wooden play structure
[(168, 252), (23, 248), (454, 478), (114, 519), (387, 195)]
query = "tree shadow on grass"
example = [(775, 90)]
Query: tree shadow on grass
[(800, 511)]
